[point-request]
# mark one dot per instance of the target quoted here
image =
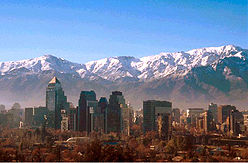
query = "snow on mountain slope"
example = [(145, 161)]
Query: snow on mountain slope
[(114, 67), (158, 66), (162, 65), (46, 62)]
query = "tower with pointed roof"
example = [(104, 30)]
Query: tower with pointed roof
[(56, 101)]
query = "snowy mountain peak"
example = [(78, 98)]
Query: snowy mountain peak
[(145, 68)]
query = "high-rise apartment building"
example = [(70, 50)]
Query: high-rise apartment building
[(56, 101)]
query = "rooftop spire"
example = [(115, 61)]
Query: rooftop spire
[(54, 81)]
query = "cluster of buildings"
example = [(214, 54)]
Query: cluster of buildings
[(225, 119), (159, 116), (105, 116), (116, 115)]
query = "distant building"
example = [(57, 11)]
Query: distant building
[(213, 108), (236, 122), (126, 116), (176, 115), (193, 114), (157, 117), (87, 106), (35, 117), (245, 115), (204, 122), (164, 125), (56, 101), (224, 112), (2, 108), (101, 116), (29, 112), (64, 121), (114, 112), (73, 117), (39, 115)]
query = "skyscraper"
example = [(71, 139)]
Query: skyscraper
[(101, 118), (114, 113), (56, 101), (157, 117), (213, 108), (87, 105)]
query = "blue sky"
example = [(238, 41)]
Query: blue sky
[(85, 30)]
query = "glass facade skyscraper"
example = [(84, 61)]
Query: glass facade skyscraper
[(56, 101)]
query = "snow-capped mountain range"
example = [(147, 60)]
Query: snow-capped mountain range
[(213, 74), (147, 68)]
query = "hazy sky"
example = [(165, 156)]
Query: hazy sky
[(81, 30)]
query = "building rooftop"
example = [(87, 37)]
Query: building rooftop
[(54, 81)]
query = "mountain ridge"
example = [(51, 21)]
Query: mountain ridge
[(113, 68), (198, 76)]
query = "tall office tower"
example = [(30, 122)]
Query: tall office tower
[(101, 117), (176, 115), (114, 118), (87, 105), (213, 108), (224, 112), (56, 101), (29, 116), (154, 112)]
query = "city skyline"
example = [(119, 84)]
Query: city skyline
[(85, 31), (124, 81)]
